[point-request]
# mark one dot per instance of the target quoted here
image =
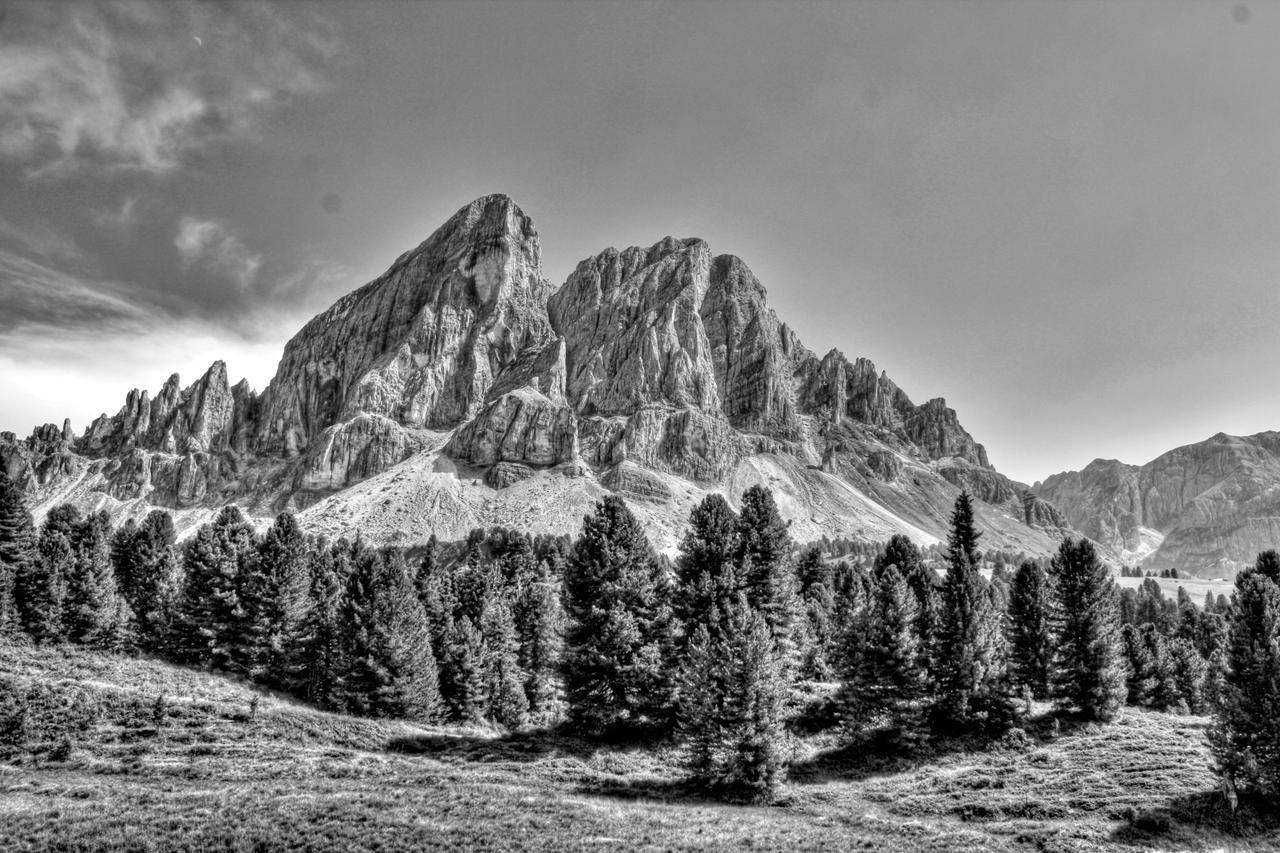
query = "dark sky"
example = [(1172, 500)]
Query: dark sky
[(1061, 216)]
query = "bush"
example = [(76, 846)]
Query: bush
[(43, 716)]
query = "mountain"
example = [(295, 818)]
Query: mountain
[(461, 389), (1205, 508)]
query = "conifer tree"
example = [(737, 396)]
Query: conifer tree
[(1140, 675), (1164, 690), (154, 579), (1189, 671), (1030, 638), (763, 567), (1268, 565), (18, 549), (273, 600), (209, 610), (541, 631), (704, 568), (734, 718), (620, 636), (465, 684), (971, 671), (41, 593), (888, 678), (324, 643), (504, 679), (1245, 735), (391, 668), (94, 612), (1088, 673)]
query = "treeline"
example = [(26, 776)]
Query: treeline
[(611, 640)]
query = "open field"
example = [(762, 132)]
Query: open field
[(1195, 587), (212, 777)]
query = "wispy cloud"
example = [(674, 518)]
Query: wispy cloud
[(36, 297), (140, 85), (215, 247)]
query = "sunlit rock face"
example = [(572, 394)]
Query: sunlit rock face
[(1206, 508), (461, 388)]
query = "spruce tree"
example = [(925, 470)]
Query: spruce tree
[(1164, 690), (504, 679), (620, 637), (18, 549), (970, 662), (1245, 735), (734, 723), (391, 668), (1030, 638), (1088, 673)]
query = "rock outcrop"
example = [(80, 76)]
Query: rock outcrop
[(1206, 508), (461, 388)]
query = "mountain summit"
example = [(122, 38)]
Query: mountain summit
[(461, 389)]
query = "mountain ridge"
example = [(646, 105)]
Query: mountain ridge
[(656, 372)]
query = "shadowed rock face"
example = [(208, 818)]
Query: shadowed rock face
[(654, 372), (1206, 508)]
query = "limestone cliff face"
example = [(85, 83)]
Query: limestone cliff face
[(1206, 508), (422, 344), (659, 373)]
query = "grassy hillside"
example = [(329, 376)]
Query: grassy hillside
[(218, 774)]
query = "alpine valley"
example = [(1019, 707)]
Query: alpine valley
[(461, 389)]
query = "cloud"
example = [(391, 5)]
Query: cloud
[(127, 86), (36, 299), (212, 245)]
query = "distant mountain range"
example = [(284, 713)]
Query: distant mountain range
[(462, 389), (1206, 508)]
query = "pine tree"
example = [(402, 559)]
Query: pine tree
[(18, 549), (1088, 673), (1268, 565), (392, 670), (1189, 671), (145, 561), (209, 611), (704, 568), (764, 570), (504, 679), (1245, 735), (94, 612), (1030, 638), (465, 684), (735, 722), (323, 642), (620, 636), (273, 597), (41, 593), (888, 678), (1140, 668), (1164, 690), (541, 630), (971, 671)]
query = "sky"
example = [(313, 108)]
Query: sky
[(1063, 217)]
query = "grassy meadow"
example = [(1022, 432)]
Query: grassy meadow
[(215, 771)]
